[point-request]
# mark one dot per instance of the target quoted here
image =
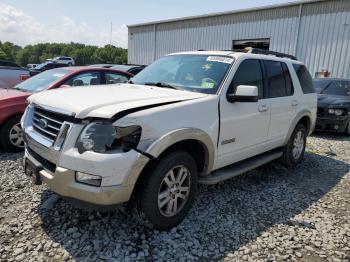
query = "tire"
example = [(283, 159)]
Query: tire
[(157, 186), (293, 152), (70, 64), (12, 128)]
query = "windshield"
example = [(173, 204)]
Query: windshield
[(337, 87), (42, 81), (198, 73), (320, 85)]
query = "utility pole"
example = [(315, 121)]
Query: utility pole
[(110, 39)]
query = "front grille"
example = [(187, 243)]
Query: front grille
[(47, 123)]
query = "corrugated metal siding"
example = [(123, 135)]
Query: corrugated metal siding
[(323, 38)]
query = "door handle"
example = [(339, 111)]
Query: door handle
[(295, 103), (263, 108)]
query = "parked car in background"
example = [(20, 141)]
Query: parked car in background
[(67, 60), (133, 69), (31, 65), (45, 66), (13, 100), (11, 74), (188, 118), (333, 113)]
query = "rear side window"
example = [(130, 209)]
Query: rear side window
[(278, 80), (305, 79), (248, 73)]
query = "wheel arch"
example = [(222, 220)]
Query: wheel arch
[(303, 117)]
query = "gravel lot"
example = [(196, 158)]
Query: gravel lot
[(270, 214)]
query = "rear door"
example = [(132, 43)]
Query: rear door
[(280, 94)]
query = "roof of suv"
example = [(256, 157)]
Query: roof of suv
[(237, 54)]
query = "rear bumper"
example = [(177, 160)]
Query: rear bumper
[(336, 124)]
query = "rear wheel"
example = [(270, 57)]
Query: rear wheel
[(294, 151), (11, 135), (169, 191)]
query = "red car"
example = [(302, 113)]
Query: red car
[(13, 100)]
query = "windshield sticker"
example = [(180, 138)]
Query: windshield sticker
[(207, 85), (220, 59)]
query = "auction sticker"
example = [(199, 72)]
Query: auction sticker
[(220, 59)]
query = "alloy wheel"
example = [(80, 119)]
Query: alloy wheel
[(298, 145), (174, 191), (16, 136)]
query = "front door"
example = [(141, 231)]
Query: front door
[(244, 125)]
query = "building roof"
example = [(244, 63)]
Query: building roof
[(254, 9)]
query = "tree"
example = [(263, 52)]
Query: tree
[(82, 54)]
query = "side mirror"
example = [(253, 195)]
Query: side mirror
[(244, 94)]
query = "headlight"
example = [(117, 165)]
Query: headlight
[(105, 138), (337, 112), (88, 179)]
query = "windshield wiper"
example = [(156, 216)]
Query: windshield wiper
[(160, 84)]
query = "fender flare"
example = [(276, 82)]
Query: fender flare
[(167, 140), (296, 120)]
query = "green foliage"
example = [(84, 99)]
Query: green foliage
[(82, 54)]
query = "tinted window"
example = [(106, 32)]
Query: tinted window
[(115, 78), (275, 79), (85, 79), (135, 71), (288, 80), (9, 64), (305, 79), (248, 73), (340, 88)]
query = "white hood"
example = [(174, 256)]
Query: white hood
[(107, 100)]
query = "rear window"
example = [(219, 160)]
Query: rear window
[(305, 79)]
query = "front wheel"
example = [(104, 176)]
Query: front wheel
[(169, 190), (294, 151)]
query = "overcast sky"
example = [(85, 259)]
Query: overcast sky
[(88, 21)]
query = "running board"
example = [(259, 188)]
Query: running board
[(238, 169)]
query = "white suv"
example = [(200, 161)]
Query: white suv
[(64, 60), (183, 120)]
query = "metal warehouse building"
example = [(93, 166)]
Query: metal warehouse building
[(317, 32)]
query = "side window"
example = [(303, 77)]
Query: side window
[(248, 73), (85, 79), (115, 78), (288, 80), (305, 79), (275, 79)]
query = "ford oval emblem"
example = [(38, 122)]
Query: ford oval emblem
[(43, 123)]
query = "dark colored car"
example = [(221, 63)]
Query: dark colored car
[(45, 66), (13, 100), (132, 69), (333, 112)]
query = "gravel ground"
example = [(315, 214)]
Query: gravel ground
[(269, 214)]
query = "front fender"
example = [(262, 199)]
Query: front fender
[(156, 148)]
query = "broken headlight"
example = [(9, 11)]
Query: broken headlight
[(106, 138)]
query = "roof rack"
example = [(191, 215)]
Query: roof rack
[(252, 50), (267, 52)]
